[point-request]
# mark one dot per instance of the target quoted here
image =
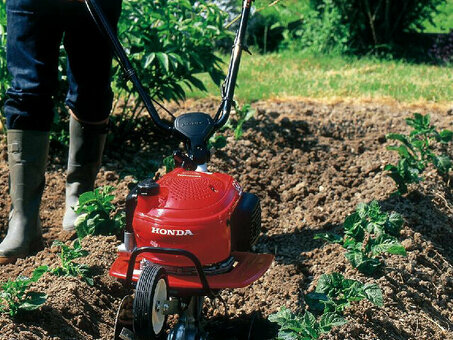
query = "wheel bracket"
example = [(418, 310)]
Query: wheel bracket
[(170, 307)]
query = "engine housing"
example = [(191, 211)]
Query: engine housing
[(194, 211)]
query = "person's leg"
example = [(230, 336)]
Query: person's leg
[(33, 42), (89, 99), (32, 56)]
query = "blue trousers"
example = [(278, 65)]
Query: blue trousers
[(36, 29)]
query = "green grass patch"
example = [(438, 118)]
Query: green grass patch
[(297, 74)]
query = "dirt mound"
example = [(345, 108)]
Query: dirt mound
[(310, 164)]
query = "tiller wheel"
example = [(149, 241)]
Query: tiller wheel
[(148, 309)]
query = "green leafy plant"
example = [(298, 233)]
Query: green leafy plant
[(97, 214), (376, 24), (306, 326), (169, 42), (368, 233), (334, 293), (14, 296), (322, 31), (169, 163), (217, 142), (416, 152), (332, 296), (243, 114), (68, 266)]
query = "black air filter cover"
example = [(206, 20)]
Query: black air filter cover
[(245, 223)]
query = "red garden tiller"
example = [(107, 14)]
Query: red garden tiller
[(189, 234)]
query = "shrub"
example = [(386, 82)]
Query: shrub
[(442, 50), (377, 22), (169, 41), (322, 30)]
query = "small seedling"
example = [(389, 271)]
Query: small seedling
[(304, 327), (70, 268), (334, 293), (368, 233), (14, 296), (97, 216), (217, 142), (244, 114), (416, 152)]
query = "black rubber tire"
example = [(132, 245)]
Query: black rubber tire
[(143, 302)]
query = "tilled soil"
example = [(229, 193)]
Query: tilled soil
[(310, 164)]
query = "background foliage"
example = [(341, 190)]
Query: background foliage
[(175, 43), (168, 41), (375, 23)]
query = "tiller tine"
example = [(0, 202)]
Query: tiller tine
[(124, 319)]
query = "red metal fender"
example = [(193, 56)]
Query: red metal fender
[(249, 268)]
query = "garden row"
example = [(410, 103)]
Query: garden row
[(368, 233)]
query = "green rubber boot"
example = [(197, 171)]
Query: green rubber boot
[(27, 157), (86, 144)]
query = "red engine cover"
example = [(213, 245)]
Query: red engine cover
[(190, 212)]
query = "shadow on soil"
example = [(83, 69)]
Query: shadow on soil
[(245, 327), (423, 217), (288, 247), (56, 326)]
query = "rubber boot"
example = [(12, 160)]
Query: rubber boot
[(86, 144), (27, 157)]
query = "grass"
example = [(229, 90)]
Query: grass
[(297, 74)]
